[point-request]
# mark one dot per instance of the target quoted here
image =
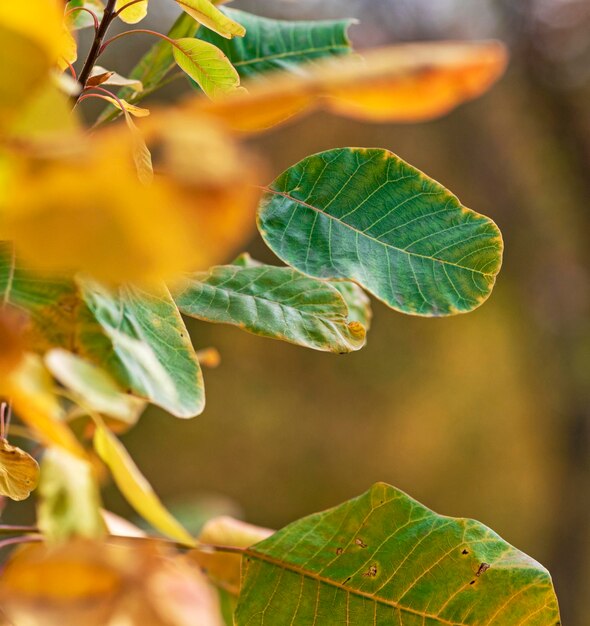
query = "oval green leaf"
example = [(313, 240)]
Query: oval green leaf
[(278, 45), (384, 559), (204, 12), (207, 66), (275, 302), (368, 216)]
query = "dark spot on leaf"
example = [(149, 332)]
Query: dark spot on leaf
[(483, 568), (472, 582), (371, 572), (339, 551), (465, 551), (360, 542), (344, 583)]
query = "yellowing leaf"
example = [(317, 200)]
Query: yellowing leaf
[(19, 472), (69, 503), (116, 79), (69, 49), (31, 389), (135, 487), (223, 568), (95, 388), (134, 13), (403, 83), (11, 340), (206, 65), (210, 16), (123, 105)]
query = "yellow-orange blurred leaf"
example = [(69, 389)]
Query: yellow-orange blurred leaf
[(403, 83), (123, 105), (31, 389), (11, 340), (134, 13), (69, 49), (135, 487), (223, 568), (19, 472)]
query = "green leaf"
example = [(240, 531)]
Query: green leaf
[(140, 339), (275, 302), (69, 498), (204, 12), (207, 66), (82, 19), (135, 487), (366, 215), (383, 559), (50, 302), (277, 45)]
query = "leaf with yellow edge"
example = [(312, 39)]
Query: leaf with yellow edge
[(19, 472), (135, 487), (134, 13), (125, 106), (210, 16), (93, 386), (31, 389), (402, 83), (115, 79), (223, 568), (69, 499), (206, 65)]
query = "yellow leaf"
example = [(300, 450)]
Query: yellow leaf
[(135, 13), (19, 472), (69, 49), (123, 105), (31, 389), (204, 12), (403, 83), (135, 487), (224, 568), (115, 79), (11, 340)]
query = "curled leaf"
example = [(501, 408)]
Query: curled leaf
[(19, 472)]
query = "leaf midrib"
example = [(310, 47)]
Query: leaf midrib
[(382, 243), (332, 583), (290, 53)]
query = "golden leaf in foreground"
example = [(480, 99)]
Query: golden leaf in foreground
[(105, 584), (402, 83), (19, 472)]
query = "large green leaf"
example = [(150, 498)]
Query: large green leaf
[(366, 215), (141, 340), (275, 302), (385, 559), (280, 45)]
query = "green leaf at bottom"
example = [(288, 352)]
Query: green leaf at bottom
[(385, 559)]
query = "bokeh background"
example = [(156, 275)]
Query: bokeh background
[(484, 415)]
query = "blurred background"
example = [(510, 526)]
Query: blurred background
[(484, 415)]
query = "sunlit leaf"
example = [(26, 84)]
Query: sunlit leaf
[(134, 13), (140, 339), (95, 388), (77, 19), (204, 12), (135, 487), (383, 558), (403, 83), (69, 500), (19, 472), (207, 66), (275, 302), (366, 215), (223, 568), (271, 45), (112, 78), (123, 105)]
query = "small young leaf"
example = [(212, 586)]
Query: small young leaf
[(69, 498), (207, 66), (366, 215), (116, 79), (19, 472), (274, 302), (134, 13), (135, 487), (383, 558), (204, 12)]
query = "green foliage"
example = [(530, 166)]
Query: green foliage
[(367, 216), (384, 558), (277, 45)]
